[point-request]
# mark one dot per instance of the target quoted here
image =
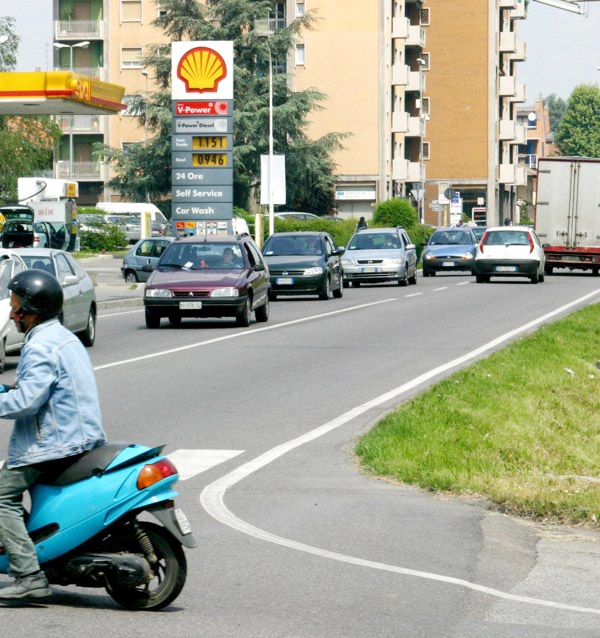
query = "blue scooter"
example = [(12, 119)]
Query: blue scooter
[(85, 524)]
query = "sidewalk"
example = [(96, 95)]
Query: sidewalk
[(111, 290)]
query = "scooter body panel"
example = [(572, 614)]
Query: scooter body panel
[(75, 513)]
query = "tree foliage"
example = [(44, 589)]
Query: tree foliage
[(579, 130), (395, 212), (26, 143), (309, 166), (556, 109)]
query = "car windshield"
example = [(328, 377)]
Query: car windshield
[(507, 238), (293, 245), (374, 241), (478, 232), (204, 256), (450, 238)]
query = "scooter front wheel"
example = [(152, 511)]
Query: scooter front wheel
[(169, 571)]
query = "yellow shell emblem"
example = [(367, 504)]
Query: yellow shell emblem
[(201, 69)]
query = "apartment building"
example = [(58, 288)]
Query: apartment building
[(426, 89)]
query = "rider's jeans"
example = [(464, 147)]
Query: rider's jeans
[(22, 557)]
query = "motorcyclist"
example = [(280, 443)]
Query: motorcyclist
[(57, 417)]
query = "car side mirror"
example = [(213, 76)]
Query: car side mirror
[(340, 250), (69, 280), (410, 247), (259, 267), (147, 268)]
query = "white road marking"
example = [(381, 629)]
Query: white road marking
[(192, 462), (437, 289), (414, 294), (464, 283), (239, 335), (212, 497), (119, 314)]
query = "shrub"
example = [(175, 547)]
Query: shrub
[(395, 212), (111, 238)]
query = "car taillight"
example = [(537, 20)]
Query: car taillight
[(155, 472), (531, 244), (482, 243)]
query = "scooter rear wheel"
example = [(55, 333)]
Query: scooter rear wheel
[(169, 573)]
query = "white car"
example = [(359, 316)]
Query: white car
[(11, 339), (509, 251)]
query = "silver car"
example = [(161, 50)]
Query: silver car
[(140, 261), (375, 255), (79, 308)]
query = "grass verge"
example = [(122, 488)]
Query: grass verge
[(520, 428)]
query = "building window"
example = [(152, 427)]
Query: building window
[(425, 16), (426, 151), (300, 8), (161, 11), (125, 146), (131, 58), (427, 58), (300, 55), (131, 10), (425, 106)]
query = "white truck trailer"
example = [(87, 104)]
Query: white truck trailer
[(567, 212)]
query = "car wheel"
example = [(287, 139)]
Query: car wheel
[(542, 278), (243, 318), (272, 296), (131, 277), (534, 278), (404, 281), (595, 271), (2, 355), (356, 284), (152, 320), (548, 270), (481, 279), (338, 293), (413, 280), (262, 312), (346, 284), (88, 336), (175, 320), (326, 293)]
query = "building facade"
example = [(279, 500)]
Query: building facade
[(427, 94)]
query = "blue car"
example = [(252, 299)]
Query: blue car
[(450, 249), (141, 260)]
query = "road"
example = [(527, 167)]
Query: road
[(294, 540)]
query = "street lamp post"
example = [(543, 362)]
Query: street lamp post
[(422, 117), (79, 45), (145, 74)]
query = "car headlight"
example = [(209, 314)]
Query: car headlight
[(158, 292), (395, 262), (467, 256), (225, 292), (429, 256), (312, 272), (349, 262)]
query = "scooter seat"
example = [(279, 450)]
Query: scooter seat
[(91, 463)]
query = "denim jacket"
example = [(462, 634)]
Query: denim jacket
[(55, 402)]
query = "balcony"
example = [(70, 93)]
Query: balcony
[(520, 11), (268, 26), (507, 86), (399, 122), (82, 171), (520, 54), (416, 36), (513, 132), (400, 74), (415, 80), (81, 123), (508, 42), (400, 27), (96, 72), (404, 170), (507, 4), (78, 30), (512, 174), (520, 93)]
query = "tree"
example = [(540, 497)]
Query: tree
[(308, 162), (395, 212), (26, 143), (579, 130), (556, 109)]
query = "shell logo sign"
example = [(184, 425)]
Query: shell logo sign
[(202, 69)]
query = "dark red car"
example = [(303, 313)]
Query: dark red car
[(208, 276)]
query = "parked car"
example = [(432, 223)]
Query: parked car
[(79, 308), (21, 230), (478, 231), (510, 251), (92, 223), (449, 249), (298, 216), (375, 255), (304, 263), (208, 276), (11, 339), (140, 260)]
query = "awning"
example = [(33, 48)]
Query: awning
[(57, 93)]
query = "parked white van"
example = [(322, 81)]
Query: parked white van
[(132, 209), (132, 213)]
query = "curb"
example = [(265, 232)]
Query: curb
[(120, 303)]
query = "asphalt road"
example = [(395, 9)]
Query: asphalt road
[(294, 540)]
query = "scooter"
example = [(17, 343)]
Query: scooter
[(86, 526)]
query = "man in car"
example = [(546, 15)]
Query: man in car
[(57, 417)]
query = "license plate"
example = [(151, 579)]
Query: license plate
[(448, 264), (284, 281), (370, 269), (182, 522), (506, 269), (190, 305)]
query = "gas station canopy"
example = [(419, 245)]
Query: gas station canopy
[(57, 93)]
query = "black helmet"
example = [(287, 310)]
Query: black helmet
[(40, 292)]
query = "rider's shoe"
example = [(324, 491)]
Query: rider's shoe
[(31, 586)]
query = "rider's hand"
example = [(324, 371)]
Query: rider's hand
[(4, 388)]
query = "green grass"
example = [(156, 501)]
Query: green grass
[(516, 428)]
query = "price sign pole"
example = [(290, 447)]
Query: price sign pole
[(202, 140)]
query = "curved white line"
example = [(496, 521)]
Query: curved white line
[(212, 496)]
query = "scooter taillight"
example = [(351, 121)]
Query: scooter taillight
[(155, 472)]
